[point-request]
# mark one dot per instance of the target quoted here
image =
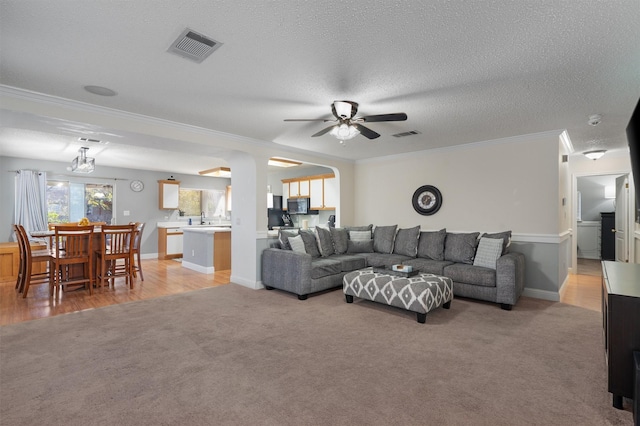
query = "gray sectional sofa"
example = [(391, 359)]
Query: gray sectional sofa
[(481, 266)]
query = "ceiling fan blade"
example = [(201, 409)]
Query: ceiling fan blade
[(399, 116), (323, 131), (365, 131), (308, 119)]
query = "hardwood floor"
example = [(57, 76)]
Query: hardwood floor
[(583, 289), (161, 278), (164, 277)]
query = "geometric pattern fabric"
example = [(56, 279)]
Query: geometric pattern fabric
[(421, 293)]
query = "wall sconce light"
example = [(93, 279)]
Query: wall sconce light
[(594, 155)]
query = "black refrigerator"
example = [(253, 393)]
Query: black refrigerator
[(274, 214)]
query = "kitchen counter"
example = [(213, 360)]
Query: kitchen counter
[(206, 229), (185, 225), (206, 249)]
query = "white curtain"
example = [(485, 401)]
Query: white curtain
[(31, 200)]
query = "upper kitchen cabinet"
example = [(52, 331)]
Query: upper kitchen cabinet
[(169, 194), (322, 190)]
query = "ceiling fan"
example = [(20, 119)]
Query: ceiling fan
[(347, 124)]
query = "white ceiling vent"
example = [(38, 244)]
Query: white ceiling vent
[(409, 133), (193, 46)]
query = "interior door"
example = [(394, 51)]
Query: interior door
[(622, 218)]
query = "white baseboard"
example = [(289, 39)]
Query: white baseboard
[(254, 285), (198, 268), (553, 296)]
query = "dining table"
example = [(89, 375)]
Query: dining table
[(49, 235)]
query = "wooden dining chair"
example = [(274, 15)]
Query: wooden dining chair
[(115, 254), (27, 273), (73, 257), (137, 239)]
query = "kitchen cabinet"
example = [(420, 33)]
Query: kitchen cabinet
[(331, 192), (323, 190), (169, 194), (169, 243)]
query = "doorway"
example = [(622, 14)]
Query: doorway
[(594, 209)]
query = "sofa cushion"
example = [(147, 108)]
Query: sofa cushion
[(325, 241), (350, 263), (469, 274), (431, 244), (406, 242), (506, 239), (365, 246), (381, 260), (359, 235), (383, 237), (428, 266), (488, 252), (359, 228), (297, 244), (340, 236), (460, 247), (283, 237), (324, 266), (310, 242)]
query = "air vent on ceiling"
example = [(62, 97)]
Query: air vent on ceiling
[(403, 134), (193, 46), (89, 140)]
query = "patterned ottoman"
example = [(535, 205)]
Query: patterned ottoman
[(420, 293)]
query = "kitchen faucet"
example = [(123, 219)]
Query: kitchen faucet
[(202, 218)]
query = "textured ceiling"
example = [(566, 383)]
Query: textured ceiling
[(463, 71)]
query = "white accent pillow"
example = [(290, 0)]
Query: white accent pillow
[(488, 252), (359, 235), (297, 244)]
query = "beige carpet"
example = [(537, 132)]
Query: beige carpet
[(230, 355)]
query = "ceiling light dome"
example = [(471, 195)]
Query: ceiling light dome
[(344, 132), (595, 154)]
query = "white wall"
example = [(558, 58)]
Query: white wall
[(511, 184)]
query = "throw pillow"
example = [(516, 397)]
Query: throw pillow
[(406, 242), (383, 237), (461, 248), (359, 235), (296, 244), (340, 237), (431, 244), (283, 237), (504, 236), (325, 241), (359, 228), (364, 246), (489, 250), (310, 242)]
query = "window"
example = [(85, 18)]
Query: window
[(71, 201), (195, 201)]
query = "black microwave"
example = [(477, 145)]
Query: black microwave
[(298, 205)]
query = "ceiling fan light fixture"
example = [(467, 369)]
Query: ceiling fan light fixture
[(82, 163), (344, 132), (595, 154)]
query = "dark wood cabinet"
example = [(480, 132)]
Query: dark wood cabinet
[(608, 236), (621, 324)]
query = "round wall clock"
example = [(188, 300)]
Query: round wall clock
[(136, 185), (427, 200)]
